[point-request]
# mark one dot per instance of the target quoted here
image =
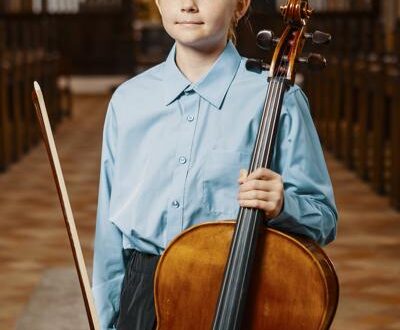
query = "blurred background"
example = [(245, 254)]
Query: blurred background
[(80, 50)]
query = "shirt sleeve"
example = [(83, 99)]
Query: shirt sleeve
[(309, 206), (108, 265)]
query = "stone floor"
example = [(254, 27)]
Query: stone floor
[(33, 237)]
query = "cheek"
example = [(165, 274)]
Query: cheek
[(169, 13), (168, 21), (220, 22)]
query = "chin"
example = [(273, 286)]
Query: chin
[(189, 36), (191, 41), (198, 42)]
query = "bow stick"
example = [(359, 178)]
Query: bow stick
[(48, 139)]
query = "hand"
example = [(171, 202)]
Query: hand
[(262, 189)]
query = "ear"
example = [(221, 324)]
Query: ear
[(158, 5), (242, 7)]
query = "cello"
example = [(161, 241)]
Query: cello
[(240, 274)]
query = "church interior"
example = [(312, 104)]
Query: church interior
[(81, 50)]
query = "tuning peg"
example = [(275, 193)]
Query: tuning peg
[(266, 39), (314, 61), (257, 65), (318, 37)]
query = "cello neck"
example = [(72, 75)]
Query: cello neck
[(263, 149), (232, 298)]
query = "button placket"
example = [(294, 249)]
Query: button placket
[(189, 103)]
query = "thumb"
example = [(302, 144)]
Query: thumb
[(242, 175)]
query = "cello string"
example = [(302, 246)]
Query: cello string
[(235, 259), (271, 125), (267, 138), (275, 92), (268, 123), (264, 121)]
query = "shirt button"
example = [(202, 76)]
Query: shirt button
[(190, 118), (182, 160), (175, 203)]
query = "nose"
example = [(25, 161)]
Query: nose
[(189, 6)]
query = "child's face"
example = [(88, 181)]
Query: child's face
[(201, 24)]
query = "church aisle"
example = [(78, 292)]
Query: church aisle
[(366, 255), (33, 237)]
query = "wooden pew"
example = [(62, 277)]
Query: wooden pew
[(27, 77), (392, 89), (333, 89), (26, 54), (365, 109), (50, 62), (351, 87), (20, 92), (383, 146), (394, 79), (314, 89), (331, 93), (37, 56), (354, 68), (342, 62), (13, 57), (5, 122), (370, 106)]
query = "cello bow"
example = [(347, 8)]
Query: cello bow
[(48, 139)]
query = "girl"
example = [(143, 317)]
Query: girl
[(174, 140)]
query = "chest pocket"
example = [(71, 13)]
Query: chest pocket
[(220, 187)]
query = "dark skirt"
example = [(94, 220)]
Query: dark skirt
[(137, 310)]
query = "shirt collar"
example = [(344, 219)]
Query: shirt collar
[(213, 86)]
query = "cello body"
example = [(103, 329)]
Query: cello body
[(293, 283)]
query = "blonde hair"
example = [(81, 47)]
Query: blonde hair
[(232, 31), (234, 23)]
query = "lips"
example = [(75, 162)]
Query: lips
[(189, 22)]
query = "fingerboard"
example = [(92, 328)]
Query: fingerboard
[(232, 298)]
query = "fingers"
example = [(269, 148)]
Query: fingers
[(271, 209), (260, 179), (262, 189), (259, 173), (259, 194), (260, 185)]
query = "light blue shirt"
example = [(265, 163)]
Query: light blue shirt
[(171, 156)]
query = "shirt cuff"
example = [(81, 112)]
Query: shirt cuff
[(287, 204), (287, 219)]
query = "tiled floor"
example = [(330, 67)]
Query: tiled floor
[(33, 238), (32, 231)]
